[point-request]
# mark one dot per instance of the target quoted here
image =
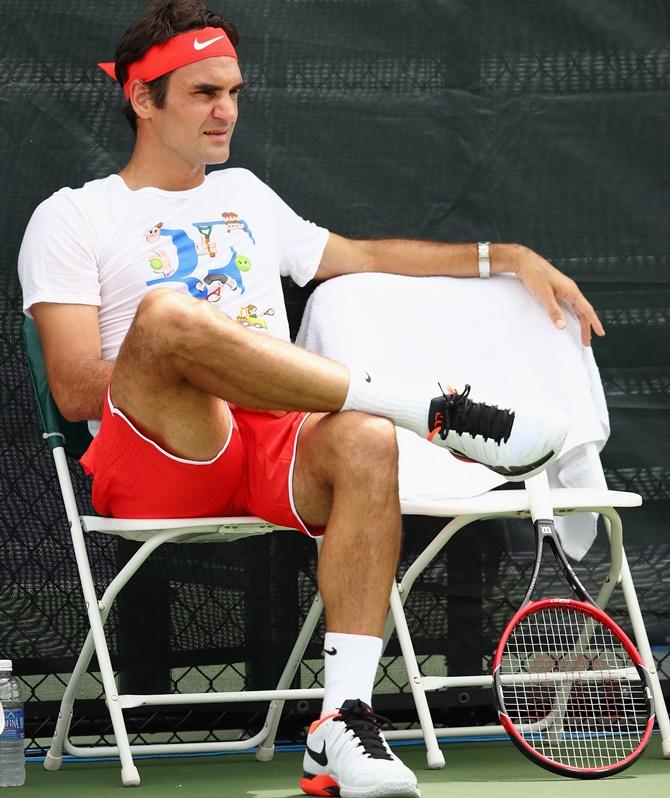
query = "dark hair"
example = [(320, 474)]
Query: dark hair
[(161, 21)]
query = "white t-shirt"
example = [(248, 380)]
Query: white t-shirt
[(228, 241)]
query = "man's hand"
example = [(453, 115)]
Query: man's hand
[(549, 286)]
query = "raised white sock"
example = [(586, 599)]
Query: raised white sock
[(405, 408), (351, 664)]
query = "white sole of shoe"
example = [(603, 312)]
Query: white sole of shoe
[(522, 475), (390, 790)]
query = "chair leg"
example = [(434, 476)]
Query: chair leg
[(613, 526), (129, 773), (54, 756), (422, 561), (265, 750), (96, 616), (633, 606), (434, 756), (614, 532)]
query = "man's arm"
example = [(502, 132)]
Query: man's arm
[(426, 258), (78, 377)]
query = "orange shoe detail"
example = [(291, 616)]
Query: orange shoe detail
[(462, 457), (315, 725), (319, 785)]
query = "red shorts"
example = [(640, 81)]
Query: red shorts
[(133, 477)]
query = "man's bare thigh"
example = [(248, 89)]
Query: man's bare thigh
[(312, 489), (345, 449), (174, 413)]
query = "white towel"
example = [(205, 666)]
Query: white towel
[(489, 333)]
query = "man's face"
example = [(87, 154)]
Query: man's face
[(196, 125)]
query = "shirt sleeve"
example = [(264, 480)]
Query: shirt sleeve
[(302, 242), (57, 260)]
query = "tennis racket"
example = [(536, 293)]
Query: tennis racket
[(569, 685)]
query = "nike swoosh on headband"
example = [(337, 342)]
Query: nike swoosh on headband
[(201, 45), (180, 50)]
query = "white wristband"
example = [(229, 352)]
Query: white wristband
[(484, 259)]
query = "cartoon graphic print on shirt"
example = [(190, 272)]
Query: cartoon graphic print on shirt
[(248, 317), (236, 227), (236, 231), (186, 255), (230, 276), (219, 278)]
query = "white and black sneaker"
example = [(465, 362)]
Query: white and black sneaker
[(348, 756), (517, 444)]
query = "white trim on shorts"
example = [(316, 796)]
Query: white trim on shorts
[(116, 412), (290, 480)]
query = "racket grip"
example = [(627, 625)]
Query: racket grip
[(539, 497)]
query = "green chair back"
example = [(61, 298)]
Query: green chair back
[(73, 436)]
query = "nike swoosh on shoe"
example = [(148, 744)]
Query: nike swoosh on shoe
[(319, 758)]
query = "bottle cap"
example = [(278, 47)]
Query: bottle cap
[(5, 664)]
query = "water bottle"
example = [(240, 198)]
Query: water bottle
[(12, 758)]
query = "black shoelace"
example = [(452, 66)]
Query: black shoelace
[(365, 723), (460, 414)]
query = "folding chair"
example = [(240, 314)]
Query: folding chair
[(65, 438), (338, 323)]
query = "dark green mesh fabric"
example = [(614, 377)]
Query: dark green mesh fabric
[(515, 120)]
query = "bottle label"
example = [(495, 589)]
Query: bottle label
[(13, 725)]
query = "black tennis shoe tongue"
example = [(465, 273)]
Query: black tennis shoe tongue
[(364, 723), (355, 705), (456, 413)]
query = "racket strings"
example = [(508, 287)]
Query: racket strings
[(571, 689)]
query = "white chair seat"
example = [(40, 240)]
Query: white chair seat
[(497, 502), (192, 530)]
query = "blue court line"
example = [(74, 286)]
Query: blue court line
[(279, 748)]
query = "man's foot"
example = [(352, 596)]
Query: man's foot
[(347, 755), (514, 443)]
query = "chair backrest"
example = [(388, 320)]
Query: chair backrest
[(74, 437)]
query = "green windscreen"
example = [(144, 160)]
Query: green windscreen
[(543, 123)]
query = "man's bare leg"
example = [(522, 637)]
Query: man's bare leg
[(181, 358), (186, 357), (346, 479), (346, 473)]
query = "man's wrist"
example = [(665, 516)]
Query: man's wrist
[(506, 257)]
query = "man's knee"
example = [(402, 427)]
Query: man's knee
[(366, 444), (162, 314), (150, 340), (168, 321)]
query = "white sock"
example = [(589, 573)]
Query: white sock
[(408, 409), (351, 665)]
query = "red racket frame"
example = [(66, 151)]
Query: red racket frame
[(518, 739)]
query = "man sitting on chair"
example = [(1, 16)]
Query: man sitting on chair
[(157, 295)]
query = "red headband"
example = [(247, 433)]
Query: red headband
[(185, 48)]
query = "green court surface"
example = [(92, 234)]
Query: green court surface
[(473, 770)]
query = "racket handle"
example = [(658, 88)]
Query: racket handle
[(539, 497)]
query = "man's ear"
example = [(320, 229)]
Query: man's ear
[(140, 99)]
